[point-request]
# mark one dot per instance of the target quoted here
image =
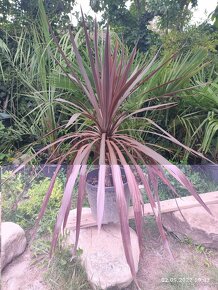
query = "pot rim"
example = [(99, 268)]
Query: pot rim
[(106, 187)]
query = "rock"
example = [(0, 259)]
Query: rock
[(13, 242), (201, 227), (103, 254)]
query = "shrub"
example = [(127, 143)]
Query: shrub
[(28, 210), (22, 205)]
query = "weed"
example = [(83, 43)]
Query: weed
[(207, 254), (188, 241), (66, 274)]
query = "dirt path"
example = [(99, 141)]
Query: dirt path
[(22, 275)]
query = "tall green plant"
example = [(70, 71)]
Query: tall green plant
[(198, 115), (208, 102), (36, 110)]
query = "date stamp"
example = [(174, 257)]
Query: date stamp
[(186, 280)]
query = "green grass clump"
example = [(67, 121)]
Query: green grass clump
[(66, 274), (61, 271)]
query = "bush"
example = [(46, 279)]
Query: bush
[(8, 137), (28, 210), (12, 192), (22, 206)]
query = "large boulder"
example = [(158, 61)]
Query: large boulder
[(103, 254), (198, 225), (13, 242)]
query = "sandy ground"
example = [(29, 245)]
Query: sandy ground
[(193, 267), (21, 274)]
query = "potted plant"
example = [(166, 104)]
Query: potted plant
[(110, 213), (107, 82)]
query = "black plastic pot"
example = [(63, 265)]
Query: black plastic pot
[(110, 208)]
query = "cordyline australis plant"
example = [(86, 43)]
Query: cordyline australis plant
[(107, 82)]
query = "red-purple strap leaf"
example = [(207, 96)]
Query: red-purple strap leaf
[(122, 208), (82, 153), (172, 169), (135, 193), (80, 199), (90, 93), (101, 182)]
